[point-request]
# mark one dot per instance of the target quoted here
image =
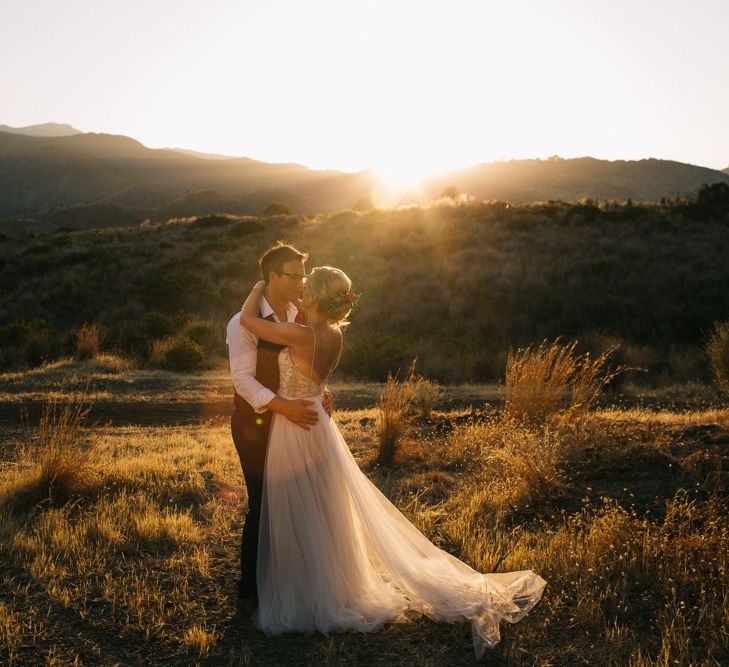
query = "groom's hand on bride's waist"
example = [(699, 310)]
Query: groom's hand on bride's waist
[(328, 402), (296, 410)]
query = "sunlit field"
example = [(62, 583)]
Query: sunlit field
[(119, 542), (599, 460)]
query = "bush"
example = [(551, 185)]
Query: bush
[(686, 363), (276, 209), (717, 352), (25, 344), (37, 348), (205, 334), (14, 334), (157, 325), (182, 354)]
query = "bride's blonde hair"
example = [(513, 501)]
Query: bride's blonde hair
[(332, 289)]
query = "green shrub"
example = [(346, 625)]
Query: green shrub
[(14, 334), (37, 348), (205, 334), (244, 228), (182, 354), (157, 325), (26, 344), (276, 209), (686, 363)]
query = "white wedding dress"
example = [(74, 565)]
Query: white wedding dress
[(334, 554)]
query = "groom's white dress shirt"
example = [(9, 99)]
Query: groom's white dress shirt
[(243, 352)]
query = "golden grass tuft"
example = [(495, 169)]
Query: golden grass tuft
[(88, 340), (199, 639), (394, 415), (154, 529), (542, 380), (58, 459), (109, 364), (426, 393), (399, 402), (11, 631)]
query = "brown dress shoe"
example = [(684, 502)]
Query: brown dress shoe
[(248, 605)]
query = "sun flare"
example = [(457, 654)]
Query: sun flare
[(400, 176)]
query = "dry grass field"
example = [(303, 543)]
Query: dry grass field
[(119, 536)]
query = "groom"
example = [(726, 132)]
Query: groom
[(254, 369)]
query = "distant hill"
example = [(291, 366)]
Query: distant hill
[(42, 130), (204, 156), (39, 174), (523, 181)]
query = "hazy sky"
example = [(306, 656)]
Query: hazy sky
[(406, 87)]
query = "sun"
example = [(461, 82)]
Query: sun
[(400, 175)]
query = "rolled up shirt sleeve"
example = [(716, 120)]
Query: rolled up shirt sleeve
[(242, 354)]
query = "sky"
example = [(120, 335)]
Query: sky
[(406, 87)]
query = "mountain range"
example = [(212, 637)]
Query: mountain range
[(47, 169)]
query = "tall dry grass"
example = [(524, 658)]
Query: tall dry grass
[(157, 351), (548, 378), (394, 415), (87, 342), (57, 454), (152, 556), (137, 558), (717, 352), (626, 586), (399, 402)]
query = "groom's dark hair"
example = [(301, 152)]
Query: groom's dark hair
[(276, 256)]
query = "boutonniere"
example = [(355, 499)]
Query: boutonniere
[(300, 318)]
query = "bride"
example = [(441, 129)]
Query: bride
[(334, 554)]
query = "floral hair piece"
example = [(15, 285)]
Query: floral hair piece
[(331, 305)]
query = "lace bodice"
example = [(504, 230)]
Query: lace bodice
[(293, 383)]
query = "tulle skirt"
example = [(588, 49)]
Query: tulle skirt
[(334, 554)]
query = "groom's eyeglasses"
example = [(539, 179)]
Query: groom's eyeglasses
[(296, 277)]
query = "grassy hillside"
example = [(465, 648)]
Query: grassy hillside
[(457, 284)]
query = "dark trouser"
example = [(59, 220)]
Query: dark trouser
[(250, 435)]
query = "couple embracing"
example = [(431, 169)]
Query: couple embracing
[(322, 548)]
